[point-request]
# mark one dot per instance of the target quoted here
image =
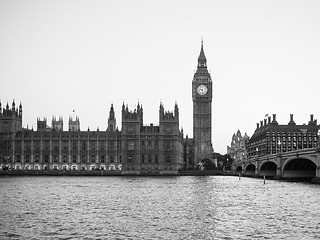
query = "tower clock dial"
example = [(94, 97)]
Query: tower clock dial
[(202, 89)]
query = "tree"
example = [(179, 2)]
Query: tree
[(208, 164)]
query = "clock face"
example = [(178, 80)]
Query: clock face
[(202, 89)]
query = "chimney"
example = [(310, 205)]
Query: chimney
[(274, 121), (261, 123), (312, 120), (265, 121), (291, 120), (269, 119), (257, 125)]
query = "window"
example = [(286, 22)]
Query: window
[(93, 145), (74, 158), (142, 158), (130, 145), (46, 145), (102, 158), (74, 145), (83, 145), (111, 159), (167, 145), (156, 159), (36, 145), (111, 145), (102, 145), (142, 144), (168, 158), (149, 159), (55, 159)]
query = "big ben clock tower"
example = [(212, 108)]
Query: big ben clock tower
[(202, 99)]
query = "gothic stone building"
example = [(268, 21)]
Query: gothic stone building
[(136, 148), (238, 147)]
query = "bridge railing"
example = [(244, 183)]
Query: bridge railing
[(262, 158)]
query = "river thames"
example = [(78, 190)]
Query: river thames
[(199, 207)]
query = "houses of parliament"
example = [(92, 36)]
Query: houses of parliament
[(135, 149)]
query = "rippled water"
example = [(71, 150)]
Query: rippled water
[(204, 207)]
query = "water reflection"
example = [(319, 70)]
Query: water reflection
[(204, 207)]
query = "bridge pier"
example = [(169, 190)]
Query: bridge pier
[(317, 178), (318, 172), (318, 162), (257, 172), (279, 166)]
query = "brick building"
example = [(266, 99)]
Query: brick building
[(272, 138)]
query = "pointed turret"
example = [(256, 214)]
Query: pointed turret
[(111, 113), (176, 112), (161, 112), (202, 71), (202, 61), (13, 106), (112, 120)]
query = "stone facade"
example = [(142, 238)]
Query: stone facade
[(238, 147), (135, 149), (202, 100)]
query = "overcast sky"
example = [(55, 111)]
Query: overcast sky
[(60, 56)]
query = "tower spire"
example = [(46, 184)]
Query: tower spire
[(202, 71), (202, 61)]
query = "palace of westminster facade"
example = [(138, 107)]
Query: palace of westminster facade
[(136, 148)]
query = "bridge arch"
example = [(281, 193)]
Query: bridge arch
[(239, 169), (268, 168), (250, 169), (299, 167)]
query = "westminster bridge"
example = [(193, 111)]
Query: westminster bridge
[(302, 163)]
